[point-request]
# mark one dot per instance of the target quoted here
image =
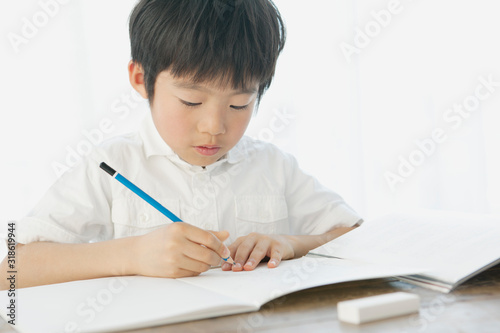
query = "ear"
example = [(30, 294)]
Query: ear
[(136, 77)]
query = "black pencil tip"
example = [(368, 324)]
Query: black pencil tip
[(108, 169)]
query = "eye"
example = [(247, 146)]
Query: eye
[(189, 104), (240, 108)]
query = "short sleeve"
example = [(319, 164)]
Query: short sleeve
[(76, 209), (314, 209)]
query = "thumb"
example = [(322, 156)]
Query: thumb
[(225, 253), (221, 235)]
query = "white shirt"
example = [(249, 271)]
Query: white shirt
[(255, 188)]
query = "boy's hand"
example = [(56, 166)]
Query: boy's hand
[(178, 250), (248, 251)]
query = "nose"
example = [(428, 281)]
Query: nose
[(212, 122)]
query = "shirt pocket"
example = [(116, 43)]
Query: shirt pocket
[(265, 214), (135, 217)]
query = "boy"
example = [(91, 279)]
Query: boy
[(203, 65)]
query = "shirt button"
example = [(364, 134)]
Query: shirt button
[(143, 218), (206, 226)]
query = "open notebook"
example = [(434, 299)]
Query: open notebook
[(124, 303)]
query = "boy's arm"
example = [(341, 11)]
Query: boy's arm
[(248, 251), (42, 263), (304, 243), (171, 251)]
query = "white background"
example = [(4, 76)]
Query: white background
[(354, 117)]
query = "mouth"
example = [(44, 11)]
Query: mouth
[(207, 150)]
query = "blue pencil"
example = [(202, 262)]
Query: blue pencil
[(146, 197)]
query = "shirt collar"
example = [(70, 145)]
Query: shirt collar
[(153, 142), (238, 152), (155, 145)]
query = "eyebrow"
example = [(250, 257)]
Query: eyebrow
[(194, 86)]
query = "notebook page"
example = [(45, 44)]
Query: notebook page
[(264, 284), (115, 304)]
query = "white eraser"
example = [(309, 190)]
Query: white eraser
[(362, 310)]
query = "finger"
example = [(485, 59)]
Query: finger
[(226, 256), (275, 258), (243, 251), (191, 265), (180, 273), (179, 265), (226, 267), (232, 248), (235, 245), (200, 254), (205, 238), (221, 235), (258, 253)]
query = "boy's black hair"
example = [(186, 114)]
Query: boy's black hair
[(224, 41)]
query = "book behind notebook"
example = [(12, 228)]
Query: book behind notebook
[(453, 246)]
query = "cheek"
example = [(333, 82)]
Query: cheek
[(241, 122), (172, 125)]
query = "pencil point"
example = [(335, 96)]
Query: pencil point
[(229, 260)]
